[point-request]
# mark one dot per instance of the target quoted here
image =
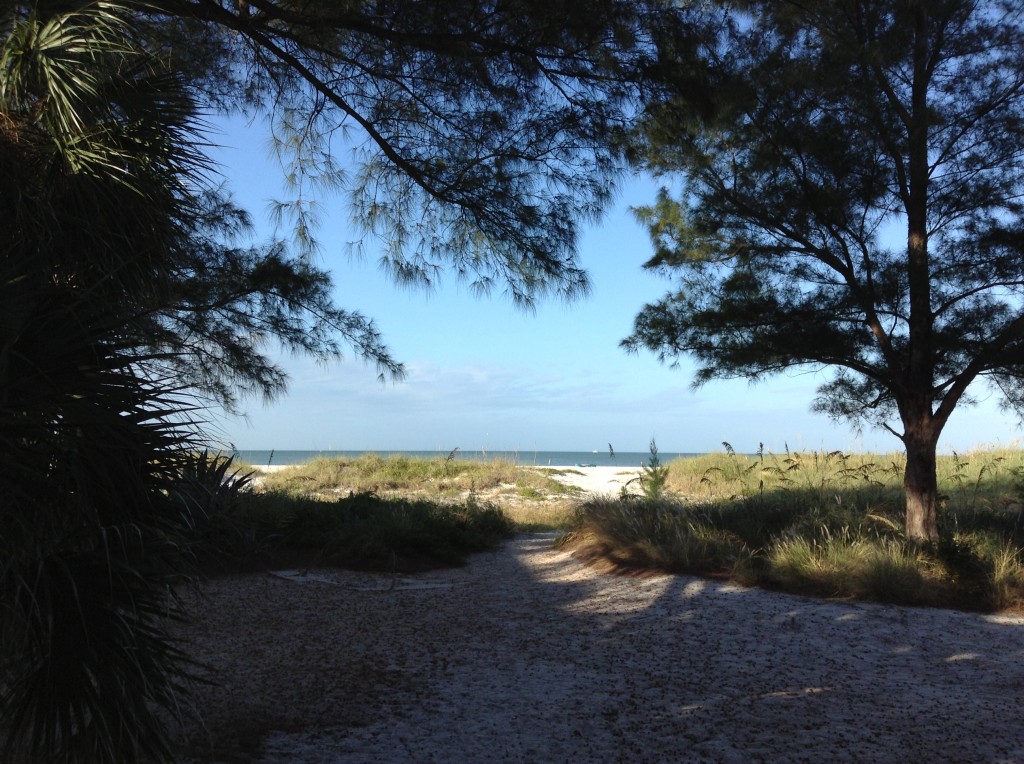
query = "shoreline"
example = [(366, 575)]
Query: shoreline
[(621, 459)]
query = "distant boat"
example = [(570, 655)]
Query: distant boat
[(594, 451)]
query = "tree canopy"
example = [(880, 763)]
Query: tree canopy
[(854, 204), (482, 131), (481, 136)]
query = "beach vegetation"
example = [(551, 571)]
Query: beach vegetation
[(819, 523), (271, 529), (653, 475), (889, 260), (827, 524), (408, 476), (95, 521), (132, 296), (98, 440), (372, 512)]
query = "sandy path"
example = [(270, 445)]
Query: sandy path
[(524, 655)]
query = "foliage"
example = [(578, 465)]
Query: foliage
[(783, 236), (127, 284), (93, 434), (427, 477), (209, 484), (357, 531), (633, 535), (852, 565), (105, 222), (653, 475), (976, 482), (104, 185), (482, 133), (827, 524), (228, 302), (92, 538)]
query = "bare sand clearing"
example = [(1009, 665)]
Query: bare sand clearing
[(598, 480), (527, 656)]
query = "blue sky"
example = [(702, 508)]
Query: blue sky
[(483, 374)]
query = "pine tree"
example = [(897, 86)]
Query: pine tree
[(851, 201)]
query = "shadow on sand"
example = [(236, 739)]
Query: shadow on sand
[(525, 656)]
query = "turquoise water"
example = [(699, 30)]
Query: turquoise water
[(538, 458)]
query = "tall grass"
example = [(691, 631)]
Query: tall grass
[(823, 523), (851, 564), (438, 478), (827, 524), (634, 535), (975, 480), (363, 530)]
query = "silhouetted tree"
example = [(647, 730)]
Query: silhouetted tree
[(482, 131), (854, 203), (104, 186), (481, 136), (97, 158)]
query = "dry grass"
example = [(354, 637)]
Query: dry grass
[(827, 524), (544, 515), (441, 480), (820, 523), (976, 480)]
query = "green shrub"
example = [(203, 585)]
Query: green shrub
[(358, 531), (653, 475)]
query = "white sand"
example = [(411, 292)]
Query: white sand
[(527, 656), (267, 468), (597, 480)]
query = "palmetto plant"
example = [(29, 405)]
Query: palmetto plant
[(91, 543), (96, 152)]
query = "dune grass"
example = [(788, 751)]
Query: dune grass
[(438, 479), (826, 524), (977, 479), (379, 513), (819, 523), (361, 531)]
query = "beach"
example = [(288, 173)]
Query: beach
[(525, 654)]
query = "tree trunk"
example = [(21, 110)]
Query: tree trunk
[(920, 487), (921, 432)]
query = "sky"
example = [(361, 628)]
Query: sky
[(483, 374)]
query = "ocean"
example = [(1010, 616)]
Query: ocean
[(531, 458)]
